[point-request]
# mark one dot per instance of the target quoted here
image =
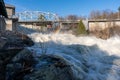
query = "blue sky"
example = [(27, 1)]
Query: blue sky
[(65, 7)]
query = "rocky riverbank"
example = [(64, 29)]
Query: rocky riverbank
[(19, 63), (11, 43)]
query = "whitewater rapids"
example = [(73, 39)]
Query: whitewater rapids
[(91, 58)]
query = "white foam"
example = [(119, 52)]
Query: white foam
[(92, 58)]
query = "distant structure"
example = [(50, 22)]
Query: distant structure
[(37, 16), (10, 10), (38, 20), (12, 21), (3, 15), (8, 21), (98, 25), (34, 20)]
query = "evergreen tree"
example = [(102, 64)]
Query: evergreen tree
[(41, 17), (81, 28)]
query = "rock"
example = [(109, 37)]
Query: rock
[(10, 44), (2, 71), (24, 66), (2, 43), (5, 58), (20, 65), (13, 40), (51, 68)]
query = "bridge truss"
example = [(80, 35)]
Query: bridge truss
[(37, 16)]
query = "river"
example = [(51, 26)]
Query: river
[(91, 58)]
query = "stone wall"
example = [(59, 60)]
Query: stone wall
[(2, 23)]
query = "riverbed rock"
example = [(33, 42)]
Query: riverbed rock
[(12, 40), (2, 43), (21, 65), (11, 43), (51, 67), (25, 66)]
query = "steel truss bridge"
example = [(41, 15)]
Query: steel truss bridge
[(37, 16), (35, 20)]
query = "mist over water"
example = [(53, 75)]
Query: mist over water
[(89, 57)]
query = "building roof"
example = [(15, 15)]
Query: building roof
[(3, 9), (9, 6)]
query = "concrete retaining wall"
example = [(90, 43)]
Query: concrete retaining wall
[(90, 25), (102, 24), (11, 24), (2, 23)]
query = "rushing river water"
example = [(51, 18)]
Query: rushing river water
[(91, 58)]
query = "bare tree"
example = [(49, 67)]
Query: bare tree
[(81, 17), (105, 14), (72, 17), (61, 18), (93, 14), (119, 12)]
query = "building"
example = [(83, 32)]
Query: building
[(3, 15), (12, 21), (10, 10), (8, 21)]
